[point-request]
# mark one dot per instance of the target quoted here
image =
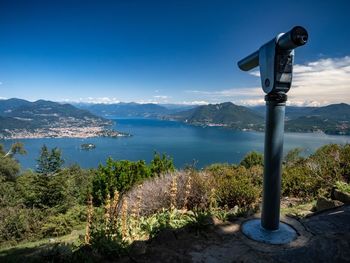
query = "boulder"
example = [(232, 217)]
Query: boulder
[(324, 204), (341, 196)]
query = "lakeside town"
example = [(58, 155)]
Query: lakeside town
[(62, 132)]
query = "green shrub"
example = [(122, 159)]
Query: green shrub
[(57, 225), (342, 186), (252, 159), (236, 187), (325, 164), (61, 224), (298, 181), (345, 162), (293, 157), (18, 223), (123, 175), (161, 164)]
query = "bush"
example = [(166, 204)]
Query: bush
[(62, 224), (19, 223), (345, 162), (325, 164), (298, 181), (57, 225), (236, 188), (123, 175), (252, 159), (342, 186)]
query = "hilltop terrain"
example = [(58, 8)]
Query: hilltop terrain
[(132, 109), (225, 114), (331, 119), (24, 119)]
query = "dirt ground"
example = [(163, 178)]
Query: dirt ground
[(322, 237)]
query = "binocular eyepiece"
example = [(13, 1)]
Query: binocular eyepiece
[(294, 38)]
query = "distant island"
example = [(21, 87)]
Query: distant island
[(87, 146), (21, 119)]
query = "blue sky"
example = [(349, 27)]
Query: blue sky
[(167, 51)]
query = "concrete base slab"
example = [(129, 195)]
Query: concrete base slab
[(284, 235)]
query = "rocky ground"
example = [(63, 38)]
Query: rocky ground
[(322, 237)]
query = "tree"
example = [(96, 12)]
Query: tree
[(16, 148), (252, 159), (293, 157), (9, 167), (161, 164), (49, 162)]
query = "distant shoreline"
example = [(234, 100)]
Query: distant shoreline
[(61, 132)]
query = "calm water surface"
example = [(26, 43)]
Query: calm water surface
[(182, 142)]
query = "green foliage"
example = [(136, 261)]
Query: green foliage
[(8, 194), (236, 188), (342, 186), (16, 148), (64, 223), (252, 159), (345, 162), (49, 162), (298, 181), (9, 167), (161, 164), (18, 223), (325, 162), (123, 175), (293, 157), (108, 246), (52, 202), (315, 175), (57, 225), (34, 205)]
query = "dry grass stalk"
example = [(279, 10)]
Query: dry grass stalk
[(114, 209), (188, 187), (88, 220), (107, 215), (173, 192), (124, 218), (135, 211), (212, 199)]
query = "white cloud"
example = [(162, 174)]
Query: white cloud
[(317, 83), (324, 81), (100, 100), (195, 102), (163, 97), (3, 98)]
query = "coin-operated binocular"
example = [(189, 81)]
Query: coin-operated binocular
[(275, 59)]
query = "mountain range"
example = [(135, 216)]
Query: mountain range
[(22, 114), (45, 113), (224, 114), (331, 119), (21, 118), (132, 109)]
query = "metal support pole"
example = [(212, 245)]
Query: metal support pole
[(275, 59), (275, 112)]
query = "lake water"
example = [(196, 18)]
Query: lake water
[(184, 143)]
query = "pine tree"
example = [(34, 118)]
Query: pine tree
[(49, 162)]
